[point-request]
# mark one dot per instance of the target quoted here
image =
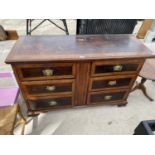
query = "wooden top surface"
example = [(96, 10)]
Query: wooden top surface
[(148, 69), (81, 47)]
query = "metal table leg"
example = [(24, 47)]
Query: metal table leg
[(65, 25), (29, 29)]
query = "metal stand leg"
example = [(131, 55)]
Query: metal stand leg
[(65, 25), (29, 29), (30, 21), (28, 26), (142, 87)]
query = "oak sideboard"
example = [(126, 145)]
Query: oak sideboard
[(77, 70)]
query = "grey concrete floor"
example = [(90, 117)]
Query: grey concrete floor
[(111, 120)]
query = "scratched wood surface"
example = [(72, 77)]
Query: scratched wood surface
[(84, 47)]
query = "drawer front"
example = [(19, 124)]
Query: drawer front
[(111, 82), (105, 97), (53, 87), (100, 68), (46, 71), (50, 102)]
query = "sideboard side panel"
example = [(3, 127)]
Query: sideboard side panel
[(19, 83)]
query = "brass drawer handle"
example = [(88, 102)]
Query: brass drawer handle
[(52, 103), (112, 83), (107, 97), (118, 68), (50, 88), (47, 72)]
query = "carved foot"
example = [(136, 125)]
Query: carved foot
[(33, 114), (121, 105)]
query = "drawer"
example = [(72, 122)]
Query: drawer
[(105, 97), (50, 87), (50, 102), (111, 67), (111, 82), (45, 71)]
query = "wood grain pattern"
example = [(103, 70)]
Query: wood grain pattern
[(111, 63), (76, 62), (46, 102), (35, 71), (85, 47), (99, 97), (104, 82), (48, 88), (83, 70)]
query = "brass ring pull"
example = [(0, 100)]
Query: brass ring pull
[(50, 88), (47, 72), (52, 103), (112, 83), (107, 97), (118, 68)]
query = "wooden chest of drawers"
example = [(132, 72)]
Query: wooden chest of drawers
[(66, 71)]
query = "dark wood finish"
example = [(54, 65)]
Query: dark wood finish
[(147, 73), (142, 87), (82, 80), (81, 47), (52, 87), (125, 66), (111, 82), (106, 97), (50, 102), (62, 71), (36, 71)]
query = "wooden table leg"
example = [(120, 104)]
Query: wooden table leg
[(144, 28), (142, 87)]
